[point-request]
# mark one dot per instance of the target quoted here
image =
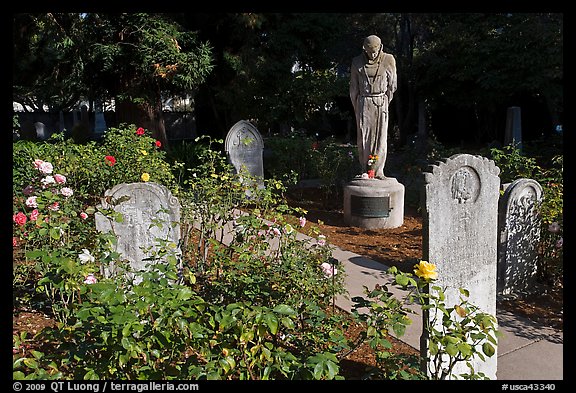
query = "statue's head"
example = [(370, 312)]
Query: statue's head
[(372, 46)]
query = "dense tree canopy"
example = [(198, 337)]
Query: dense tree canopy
[(134, 58), (48, 61), (291, 70), (486, 62)]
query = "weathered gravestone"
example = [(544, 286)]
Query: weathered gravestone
[(460, 226), (513, 131), (518, 236), (150, 213), (244, 147), (99, 123), (42, 132)]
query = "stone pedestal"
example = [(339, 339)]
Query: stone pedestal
[(374, 203)]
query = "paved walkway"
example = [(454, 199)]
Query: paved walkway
[(526, 350)]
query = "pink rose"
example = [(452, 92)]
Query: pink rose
[(328, 269), (302, 221), (321, 240), (90, 279), (560, 242), (31, 202), (60, 179), (66, 191), (14, 241), (46, 167), (83, 215), (54, 207), (554, 227), (34, 215)]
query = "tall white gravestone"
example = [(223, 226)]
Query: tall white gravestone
[(518, 236), (150, 212), (460, 236)]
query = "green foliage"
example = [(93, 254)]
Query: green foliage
[(81, 133), (245, 315), (292, 153), (61, 57), (481, 60), (454, 334), (256, 55), (23, 155), (48, 60), (15, 123), (86, 167), (29, 363), (151, 49), (386, 313), (513, 164), (135, 153), (299, 157)]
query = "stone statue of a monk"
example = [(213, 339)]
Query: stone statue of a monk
[(372, 86)]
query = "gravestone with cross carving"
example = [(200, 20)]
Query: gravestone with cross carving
[(244, 147)]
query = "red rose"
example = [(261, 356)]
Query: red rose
[(19, 218), (111, 160), (140, 131), (158, 144)]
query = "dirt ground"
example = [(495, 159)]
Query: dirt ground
[(402, 247)]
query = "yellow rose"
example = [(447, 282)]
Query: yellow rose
[(144, 152), (426, 270), (145, 176)]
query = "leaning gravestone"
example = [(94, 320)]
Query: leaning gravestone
[(244, 148), (460, 226), (149, 212), (518, 236)]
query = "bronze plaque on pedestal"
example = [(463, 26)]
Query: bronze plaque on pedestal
[(376, 207)]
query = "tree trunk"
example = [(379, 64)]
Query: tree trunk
[(143, 115)]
